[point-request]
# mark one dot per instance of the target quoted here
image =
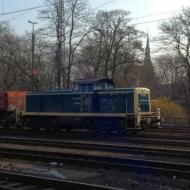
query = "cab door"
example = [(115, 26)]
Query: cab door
[(86, 102)]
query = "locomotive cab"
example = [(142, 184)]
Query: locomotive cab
[(142, 100), (93, 85), (143, 108)]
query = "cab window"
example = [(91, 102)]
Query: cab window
[(144, 102)]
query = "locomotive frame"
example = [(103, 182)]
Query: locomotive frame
[(95, 105), (86, 117)]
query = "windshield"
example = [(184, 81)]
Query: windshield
[(144, 102)]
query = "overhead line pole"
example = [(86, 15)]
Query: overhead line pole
[(59, 60), (63, 41)]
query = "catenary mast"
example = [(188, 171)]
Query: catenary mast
[(59, 59)]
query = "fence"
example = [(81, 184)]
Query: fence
[(175, 122)]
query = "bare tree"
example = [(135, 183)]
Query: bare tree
[(8, 57), (113, 45), (70, 28), (171, 75), (178, 39), (15, 59), (42, 71)]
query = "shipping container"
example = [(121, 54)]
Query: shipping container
[(16, 99), (3, 101)]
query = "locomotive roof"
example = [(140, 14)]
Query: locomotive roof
[(92, 85), (89, 85), (116, 90), (51, 91), (87, 81)]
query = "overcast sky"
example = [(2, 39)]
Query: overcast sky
[(138, 8)]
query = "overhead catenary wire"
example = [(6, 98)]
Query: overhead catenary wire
[(106, 3), (157, 20), (15, 17), (99, 6), (47, 5), (42, 6), (155, 14), (26, 9)]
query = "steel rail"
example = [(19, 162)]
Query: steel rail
[(170, 129), (135, 140), (48, 182), (153, 141), (107, 162), (168, 136), (178, 141), (91, 136), (102, 146)]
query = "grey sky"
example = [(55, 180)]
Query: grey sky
[(138, 8)]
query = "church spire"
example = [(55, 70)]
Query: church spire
[(147, 59), (148, 69)]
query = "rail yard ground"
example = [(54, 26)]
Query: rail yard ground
[(156, 159), (116, 178)]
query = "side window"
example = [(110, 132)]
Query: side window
[(86, 87), (90, 87), (105, 85)]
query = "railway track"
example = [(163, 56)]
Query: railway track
[(107, 162), (147, 137), (103, 147), (18, 181), (180, 134), (155, 141), (171, 129), (162, 133), (169, 136), (143, 140)]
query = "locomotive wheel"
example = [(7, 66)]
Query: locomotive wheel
[(18, 126), (121, 131), (68, 130), (144, 126)]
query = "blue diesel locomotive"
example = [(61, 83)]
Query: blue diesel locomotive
[(91, 104)]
